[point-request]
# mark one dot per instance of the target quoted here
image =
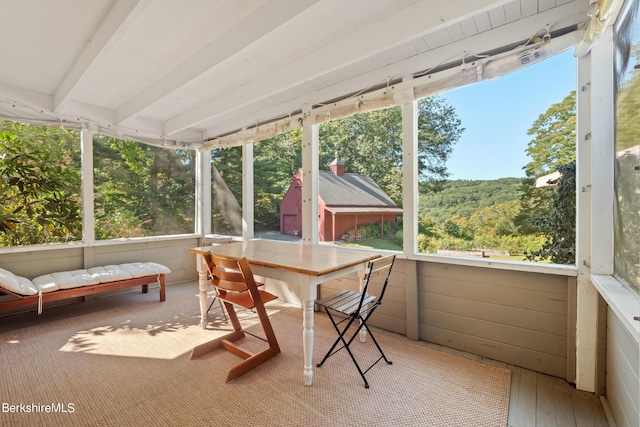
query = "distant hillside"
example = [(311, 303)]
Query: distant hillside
[(464, 197)]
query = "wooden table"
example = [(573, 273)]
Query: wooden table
[(306, 266)]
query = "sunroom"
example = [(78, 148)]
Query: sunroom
[(198, 76)]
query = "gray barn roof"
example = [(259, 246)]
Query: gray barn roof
[(351, 189)]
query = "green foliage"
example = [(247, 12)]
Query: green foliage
[(628, 106), (427, 226), (141, 190), (40, 185), (360, 138), (452, 229), (368, 231), (495, 220), (627, 210), (276, 160), (553, 145), (439, 129), (560, 224), (554, 142), (228, 161), (465, 197), (515, 245), (489, 227), (121, 224)]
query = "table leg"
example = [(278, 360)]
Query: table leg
[(202, 284), (307, 337)]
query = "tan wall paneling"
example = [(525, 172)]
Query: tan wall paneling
[(172, 253), (35, 263), (511, 316)]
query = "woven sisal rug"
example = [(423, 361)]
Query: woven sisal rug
[(129, 365)]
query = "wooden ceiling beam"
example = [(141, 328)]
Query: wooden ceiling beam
[(413, 21), (257, 25), (122, 16)]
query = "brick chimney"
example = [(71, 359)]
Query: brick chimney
[(337, 167)]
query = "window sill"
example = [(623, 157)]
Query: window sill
[(72, 245), (624, 301), (531, 267)]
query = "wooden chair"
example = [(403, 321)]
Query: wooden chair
[(351, 306), (209, 263), (236, 286)]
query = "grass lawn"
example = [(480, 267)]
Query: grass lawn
[(372, 242)]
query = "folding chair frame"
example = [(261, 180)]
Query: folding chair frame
[(215, 298), (357, 306)]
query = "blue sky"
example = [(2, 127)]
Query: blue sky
[(498, 113)]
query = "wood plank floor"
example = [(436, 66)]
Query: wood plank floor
[(541, 400)]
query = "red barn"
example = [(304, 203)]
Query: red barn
[(346, 201)]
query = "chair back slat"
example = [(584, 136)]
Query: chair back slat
[(378, 267), (225, 273)]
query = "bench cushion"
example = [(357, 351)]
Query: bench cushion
[(16, 284), (64, 280), (109, 273), (141, 269), (77, 278)]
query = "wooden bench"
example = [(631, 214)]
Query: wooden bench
[(15, 299)]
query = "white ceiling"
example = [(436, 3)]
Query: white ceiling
[(179, 73)]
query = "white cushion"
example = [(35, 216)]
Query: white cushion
[(74, 279), (140, 269), (109, 273), (46, 283), (64, 280), (16, 284)]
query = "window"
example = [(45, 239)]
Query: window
[(509, 174), (140, 190), (226, 191), (627, 167), (277, 210), (40, 185)]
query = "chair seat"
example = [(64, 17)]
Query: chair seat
[(345, 302)]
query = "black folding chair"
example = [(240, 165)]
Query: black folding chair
[(357, 306)]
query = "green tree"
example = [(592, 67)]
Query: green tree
[(496, 220), (465, 197), (371, 143), (142, 190), (627, 212), (559, 226), (276, 160), (553, 146), (39, 184)]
